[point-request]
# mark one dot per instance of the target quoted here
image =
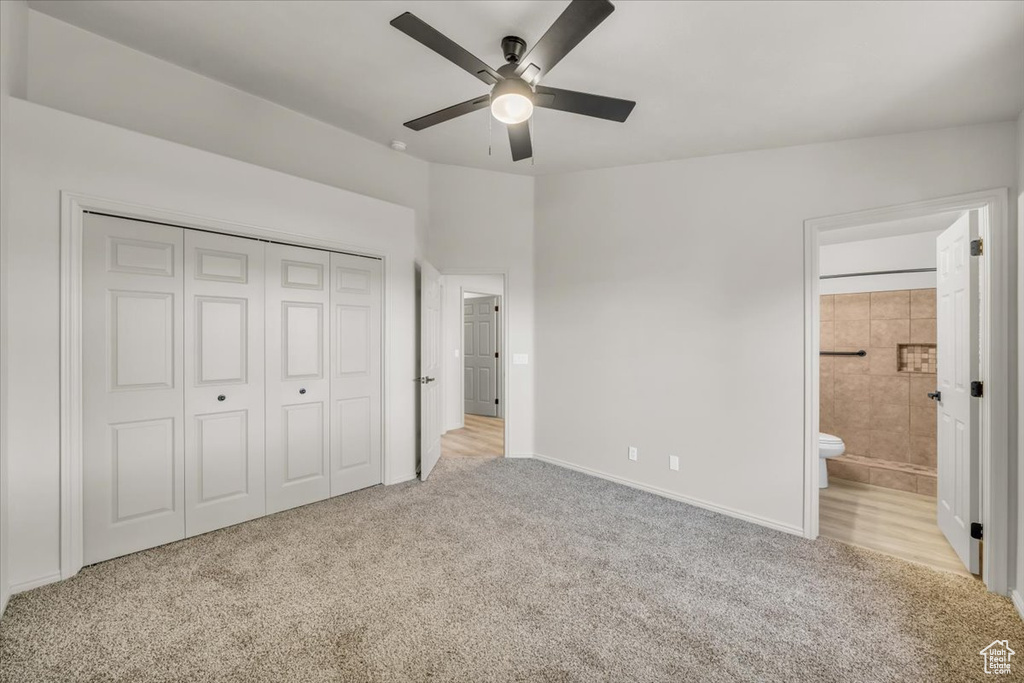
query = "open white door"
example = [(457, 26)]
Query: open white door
[(430, 369), (957, 328)]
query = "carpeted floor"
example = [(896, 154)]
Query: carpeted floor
[(498, 570)]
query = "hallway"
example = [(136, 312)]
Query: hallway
[(481, 437)]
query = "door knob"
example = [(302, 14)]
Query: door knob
[(424, 380), (221, 397), (935, 395), (302, 391)]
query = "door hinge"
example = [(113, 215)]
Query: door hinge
[(495, 309), (495, 354), (977, 247), (977, 530), (977, 389), (495, 401)]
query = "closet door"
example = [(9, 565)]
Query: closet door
[(298, 383), (224, 366), (355, 372), (132, 388)]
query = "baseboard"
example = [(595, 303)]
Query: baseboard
[(401, 479), (696, 502), (519, 455), (1018, 601), (34, 583)]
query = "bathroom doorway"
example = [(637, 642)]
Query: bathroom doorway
[(888, 324), (474, 338)]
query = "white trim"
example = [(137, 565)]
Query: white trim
[(35, 583), (506, 366), (1018, 601), (994, 363), (401, 479), (522, 456), (664, 493), (73, 207)]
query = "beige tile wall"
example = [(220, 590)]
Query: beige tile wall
[(883, 415)]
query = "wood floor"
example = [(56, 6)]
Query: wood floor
[(481, 437), (889, 521)]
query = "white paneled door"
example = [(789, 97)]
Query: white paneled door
[(958, 342), (430, 369), (355, 372), (133, 401), (223, 381), (480, 355), (297, 379)]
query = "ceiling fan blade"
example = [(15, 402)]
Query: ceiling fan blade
[(575, 23), (417, 29), (449, 113), (519, 137), (598, 106)]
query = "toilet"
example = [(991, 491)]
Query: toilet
[(829, 446)]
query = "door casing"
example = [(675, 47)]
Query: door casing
[(994, 371), (508, 410), (73, 208)]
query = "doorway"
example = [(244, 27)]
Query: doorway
[(474, 337), (876, 339)]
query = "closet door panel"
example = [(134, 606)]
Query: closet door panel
[(298, 384), (224, 377), (356, 426), (132, 389)]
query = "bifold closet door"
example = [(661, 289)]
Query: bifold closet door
[(356, 288), (224, 366), (132, 386), (298, 384)]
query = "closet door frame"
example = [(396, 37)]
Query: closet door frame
[(73, 208)]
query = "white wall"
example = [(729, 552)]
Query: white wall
[(54, 151), (80, 72), (900, 252), (13, 59), (483, 221), (670, 305), (452, 287)]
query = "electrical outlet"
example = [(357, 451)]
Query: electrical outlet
[(633, 453), (673, 462)]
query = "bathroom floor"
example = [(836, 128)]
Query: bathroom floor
[(893, 522)]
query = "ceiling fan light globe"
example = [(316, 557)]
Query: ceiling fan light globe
[(512, 108)]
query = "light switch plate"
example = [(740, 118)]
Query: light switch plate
[(633, 453), (673, 462), (520, 359)]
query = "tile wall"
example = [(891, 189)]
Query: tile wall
[(881, 412)]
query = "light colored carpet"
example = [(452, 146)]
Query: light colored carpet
[(498, 570)]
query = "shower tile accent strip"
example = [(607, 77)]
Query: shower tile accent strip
[(880, 411)]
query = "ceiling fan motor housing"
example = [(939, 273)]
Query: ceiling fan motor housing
[(510, 86), (513, 48)]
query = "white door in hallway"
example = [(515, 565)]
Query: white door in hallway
[(958, 345), (224, 364), (132, 386), (430, 368), (356, 284), (298, 384), (479, 353)]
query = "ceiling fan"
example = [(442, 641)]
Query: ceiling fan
[(515, 90)]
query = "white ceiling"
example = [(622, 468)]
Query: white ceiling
[(908, 226), (709, 77)]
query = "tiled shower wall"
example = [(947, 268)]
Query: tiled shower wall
[(881, 412)]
